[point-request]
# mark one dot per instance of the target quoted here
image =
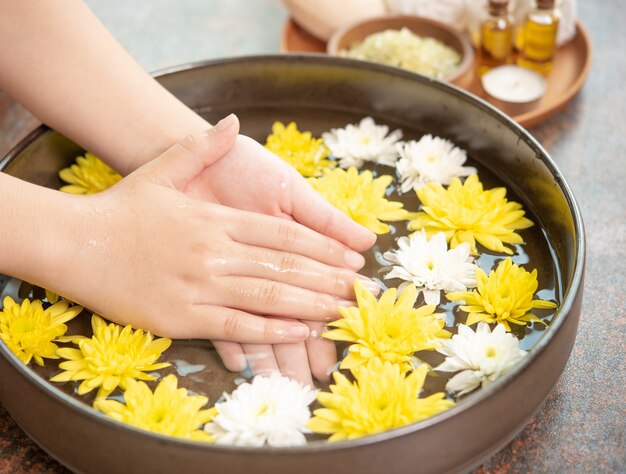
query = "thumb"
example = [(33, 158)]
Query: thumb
[(182, 162)]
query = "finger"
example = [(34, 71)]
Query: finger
[(260, 296), (182, 162), (310, 209), (322, 353), (231, 354), (261, 358), (293, 269), (281, 234), (227, 324), (293, 362)]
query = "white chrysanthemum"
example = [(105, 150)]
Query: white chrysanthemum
[(356, 144), (431, 159), (271, 409), (430, 266), (479, 357)]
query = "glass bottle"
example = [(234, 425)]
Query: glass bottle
[(496, 34), (539, 42)]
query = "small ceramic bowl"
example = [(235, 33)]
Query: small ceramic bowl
[(354, 33)]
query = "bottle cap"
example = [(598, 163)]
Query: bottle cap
[(545, 4), (498, 7)]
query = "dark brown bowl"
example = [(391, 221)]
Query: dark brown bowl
[(350, 35), (322, 92)]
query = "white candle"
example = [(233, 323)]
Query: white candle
[(514, 84)]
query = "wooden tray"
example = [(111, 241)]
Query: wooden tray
[(571, 67)]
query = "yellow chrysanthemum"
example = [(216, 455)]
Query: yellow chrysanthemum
[(89, 175), (467, 213), (381, 398), (169, 410), (505, 296), (361, 197), (112, 357), (305, 153), (52, 297), (30, 331), (386, 329)]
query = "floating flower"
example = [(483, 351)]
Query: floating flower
[(382, 397), (361, 197), (112, 357), (431, 159), (430, 266), (479, 357), (272, 410), (89, 175), (467, 213), (169, 410), (505, 297), (366, 141), (52, 297), (386, 329), (305, 153), (30, 331)]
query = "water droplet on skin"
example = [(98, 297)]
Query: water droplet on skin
[(260, 356)]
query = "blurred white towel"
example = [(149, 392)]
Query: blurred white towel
[(467, 15)]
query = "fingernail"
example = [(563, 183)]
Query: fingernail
[(345, 303), (298, 331), (225, 123), (354, 260), (371, 285)]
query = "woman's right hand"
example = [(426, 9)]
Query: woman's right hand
[(185, 268)]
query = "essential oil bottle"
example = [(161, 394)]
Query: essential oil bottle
[(539, 36), (496, 34)]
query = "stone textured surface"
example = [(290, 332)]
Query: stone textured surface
[(581, 427)]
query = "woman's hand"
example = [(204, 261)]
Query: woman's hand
[(252, 178), (184, 268), (136, 119)]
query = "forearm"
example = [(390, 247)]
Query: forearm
[(36, 234), (60, 62)]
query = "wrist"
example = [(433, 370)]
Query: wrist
[(41, 234)]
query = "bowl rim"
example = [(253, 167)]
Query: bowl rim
[(467, 51), (563, 311)]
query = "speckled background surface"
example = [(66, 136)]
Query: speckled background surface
[(581, 427)]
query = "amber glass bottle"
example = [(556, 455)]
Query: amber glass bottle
[(539, 42), (496, 34)]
